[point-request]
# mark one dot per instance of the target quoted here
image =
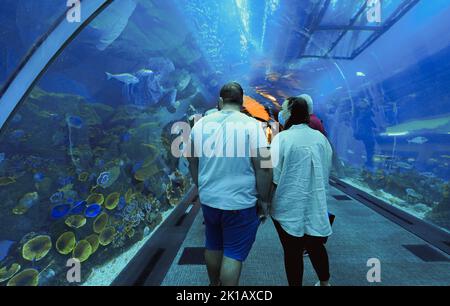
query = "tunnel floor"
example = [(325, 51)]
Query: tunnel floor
[(359, 235)]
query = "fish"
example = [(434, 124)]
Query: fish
[(125, 78), (2, 157), (418, 140), (350, 152), (360, 74), (145, 72), (428, 174), (435, 124), (5, 246), (445, 156), (403, 165), (383, 157)]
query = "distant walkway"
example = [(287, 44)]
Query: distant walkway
[(359, 234)]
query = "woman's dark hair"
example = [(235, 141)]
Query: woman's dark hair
[(299, 112), (232, 93)]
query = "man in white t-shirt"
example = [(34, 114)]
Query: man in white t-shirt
[(229, 152)]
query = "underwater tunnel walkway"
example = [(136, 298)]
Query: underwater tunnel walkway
[(114, 125), (174, 256)]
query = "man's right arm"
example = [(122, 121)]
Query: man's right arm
[(192, 158), (193, 168)]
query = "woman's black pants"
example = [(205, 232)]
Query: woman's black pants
[(293, 255)]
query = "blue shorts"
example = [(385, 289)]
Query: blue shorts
[(230, 231)]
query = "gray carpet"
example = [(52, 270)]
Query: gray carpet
[(359, 234)]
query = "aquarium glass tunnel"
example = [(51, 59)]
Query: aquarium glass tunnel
[(90, 90)]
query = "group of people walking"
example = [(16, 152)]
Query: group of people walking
[(243, 180)]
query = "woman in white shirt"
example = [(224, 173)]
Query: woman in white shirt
[(302, 161)]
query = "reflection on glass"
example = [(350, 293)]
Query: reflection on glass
[(22, 23), (86, 168)]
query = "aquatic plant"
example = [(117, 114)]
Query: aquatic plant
[(82, 251), (103, 178), (128, 195), (37, 248), (25, 203), (66, 243), (112, 200), (100, 223), (107, 236), (75, 221), (147, 172), (131, 232), (8, 272), (95, 198), (5, 181), (28, 277), (57, 197), (94, 241), (108, 178), (60, 211), (83, 176)]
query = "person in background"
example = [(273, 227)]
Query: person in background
[(231, 187), (301, 159), (314, 121)]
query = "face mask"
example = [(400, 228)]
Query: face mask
[(283, 117)]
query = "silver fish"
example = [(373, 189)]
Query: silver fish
[(123, 77), (418, 140)]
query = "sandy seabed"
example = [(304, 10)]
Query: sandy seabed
[(106, 274)]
